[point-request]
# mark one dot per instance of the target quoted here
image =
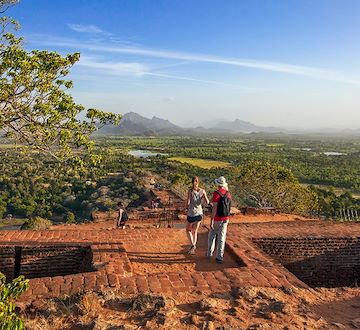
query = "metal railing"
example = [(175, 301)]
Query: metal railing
[(348, 215)]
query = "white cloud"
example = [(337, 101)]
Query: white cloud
[(117, 68), (300, 70), (140, 70), (85, 28)]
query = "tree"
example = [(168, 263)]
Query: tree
[(8, 293), (35, 108), (70, 218), (263, 184), (5, 4)]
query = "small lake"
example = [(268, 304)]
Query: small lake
[(144, 153), (334, 153), (326, 153)]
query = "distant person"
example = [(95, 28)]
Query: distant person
[(156, 203), (122, 216), (195, 212), (221, 201)]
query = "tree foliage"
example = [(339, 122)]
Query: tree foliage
[(5, 4), (36, 223), (264, 184), (70, 218), (329, 203), (35, 108), (40, 186), (8, 293)]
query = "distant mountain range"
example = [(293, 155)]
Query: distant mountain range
[(137, 125)]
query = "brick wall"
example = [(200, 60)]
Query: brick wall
[(7, 261), (43, 261), (318, 261)]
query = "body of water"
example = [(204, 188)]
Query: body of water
[(334, 153), (326, 153), (143, 153)]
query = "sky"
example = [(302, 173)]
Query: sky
[(291, 64)]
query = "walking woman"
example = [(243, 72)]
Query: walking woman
[(195, 212), (122, 216)]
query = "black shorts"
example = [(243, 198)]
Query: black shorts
[(196, 218)]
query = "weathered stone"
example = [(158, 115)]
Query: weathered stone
[(222, 295), (288, 290), (195, 319), (276, 307), (145, 302), (208, 325), (207, 303), (355, 323), (39, 305), (337, 325), (261, 326), (248, 293)]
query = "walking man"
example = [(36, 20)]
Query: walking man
[(221, 201)]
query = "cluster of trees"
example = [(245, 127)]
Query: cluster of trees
[(41, 186), (330, 204), (264, 184)]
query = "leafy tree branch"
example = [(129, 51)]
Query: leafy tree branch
[(35, 108)]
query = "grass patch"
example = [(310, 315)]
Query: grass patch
[(203, 163), (4, 223), (275, 145), (9, 146)]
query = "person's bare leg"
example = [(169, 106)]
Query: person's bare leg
[(195, 229), (189, 233)]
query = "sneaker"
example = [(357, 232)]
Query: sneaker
[(192, 250), (219, 261)]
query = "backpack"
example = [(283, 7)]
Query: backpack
[(124, 216), (224, 205)]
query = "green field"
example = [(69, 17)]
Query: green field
[(275, 145), (11, 222), (203, 163), (9, 146)]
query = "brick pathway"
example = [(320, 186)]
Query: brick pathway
[(143, 260)]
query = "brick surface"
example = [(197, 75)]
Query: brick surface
[(117, 257)]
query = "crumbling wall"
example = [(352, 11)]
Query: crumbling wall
[(317, 261), (7, 261), (43, 261)]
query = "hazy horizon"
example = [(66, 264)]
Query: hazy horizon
[(283, 64), (214, 123)]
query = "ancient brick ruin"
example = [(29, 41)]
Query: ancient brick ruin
[(44, 260), (317, 261), (270, 254)]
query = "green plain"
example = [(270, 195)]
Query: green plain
[(203, 163)]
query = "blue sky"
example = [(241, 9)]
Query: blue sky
[(274, 63)]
